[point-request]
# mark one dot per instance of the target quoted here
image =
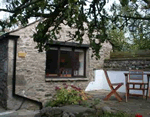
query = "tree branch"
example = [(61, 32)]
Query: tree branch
[(137, 18), (43, 15), (147, 1), (28, 4), (20, 7), (5, 10)]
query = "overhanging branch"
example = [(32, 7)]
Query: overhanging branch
[(5, 10), (138, 18), (20, 7), (28, 4)]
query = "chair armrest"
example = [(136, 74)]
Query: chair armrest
[(137, 83), (117, 83)]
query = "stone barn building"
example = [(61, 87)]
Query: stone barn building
[(30, 76)]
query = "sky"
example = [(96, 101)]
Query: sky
[(2, 14)]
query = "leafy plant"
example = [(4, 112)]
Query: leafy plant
[(69, 94), (119, 114)]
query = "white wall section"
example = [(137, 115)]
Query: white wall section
[(100, 81)]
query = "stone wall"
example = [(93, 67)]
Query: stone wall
[(15, 102), (3, 72), (30, 76), (126, 64)]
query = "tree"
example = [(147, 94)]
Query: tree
[(141, 36), (118, 40), (73, 13), (1, 33), (137, 22)]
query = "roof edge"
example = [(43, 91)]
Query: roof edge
[(7, 36), (24, 26)]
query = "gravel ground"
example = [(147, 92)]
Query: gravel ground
[(133, 106)]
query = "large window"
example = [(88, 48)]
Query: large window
[(66, 62)]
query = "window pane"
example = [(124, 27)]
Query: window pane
[(53, 48), (65, 62), (79, 62), (51, 63), (65, 49)]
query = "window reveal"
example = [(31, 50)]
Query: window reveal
[(65, 62), (79, 62)]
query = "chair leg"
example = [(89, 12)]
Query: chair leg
[(143, 94), (115, 93), (118, 96), (143, 86), (126, 92), (147, 92), (108, 96), (126, 97)]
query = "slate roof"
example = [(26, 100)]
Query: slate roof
[(7, 36)]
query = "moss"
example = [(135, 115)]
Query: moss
[(136, 54)]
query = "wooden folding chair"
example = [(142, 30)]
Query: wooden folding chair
[(135, 79), (114, 87)]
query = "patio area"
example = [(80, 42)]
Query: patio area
[(133, 106)]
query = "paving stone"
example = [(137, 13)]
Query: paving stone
[(133, 106), (20, 113), (106, 109)]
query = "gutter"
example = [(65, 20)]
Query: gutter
[(14, 78)]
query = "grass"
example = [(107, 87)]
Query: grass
[(119, 114)]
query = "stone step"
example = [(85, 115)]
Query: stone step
[(19, 113)]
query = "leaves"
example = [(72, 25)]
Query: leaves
[(75, 14), (124, 2), (68, 95), (117, 38)]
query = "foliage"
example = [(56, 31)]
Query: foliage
[(138, 23), (119, 114), (1, 33), (68, 95), (118, 40), (95, 20), (141, 36)]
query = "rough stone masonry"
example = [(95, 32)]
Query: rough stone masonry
[(3, 72), (30, 71)]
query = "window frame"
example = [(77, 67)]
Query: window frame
[(58, 61)]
